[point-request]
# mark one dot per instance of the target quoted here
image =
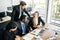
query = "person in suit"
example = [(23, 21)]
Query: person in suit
[(35, 21), (18, 11), (10, 32), (22, 28)]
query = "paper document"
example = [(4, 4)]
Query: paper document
[(28, 37)]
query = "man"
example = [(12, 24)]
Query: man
[(18, 11), (22, 29)]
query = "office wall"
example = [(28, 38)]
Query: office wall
[(15, 2), (4, 4), (7, 3)]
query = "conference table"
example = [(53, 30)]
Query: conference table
[(37, 34)]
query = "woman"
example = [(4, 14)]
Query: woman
[(35, 21), (10, 32)]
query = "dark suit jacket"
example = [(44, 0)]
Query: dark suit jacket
[(30, 24), (16, 12), (8, 36), (19, 29)]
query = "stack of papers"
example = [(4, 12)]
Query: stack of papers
[(28, 37)]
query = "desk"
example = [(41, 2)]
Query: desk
[(48, 33), (4, 19), (32, 35)]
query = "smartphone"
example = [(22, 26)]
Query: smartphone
[(42, 31)]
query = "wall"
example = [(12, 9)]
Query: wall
[(7, 3), (4, 4)]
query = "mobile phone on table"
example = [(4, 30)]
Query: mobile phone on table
[(42, 30)]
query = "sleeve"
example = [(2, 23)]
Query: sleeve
[(26, 12), (6, 36), (29, 25), (43, 23), (19, 29)]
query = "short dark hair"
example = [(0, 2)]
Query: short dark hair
[(11, 25), (22, 17), (22, 3)]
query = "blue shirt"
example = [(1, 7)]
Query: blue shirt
[(23, 28)]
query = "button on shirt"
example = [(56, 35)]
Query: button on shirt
[(23, 28)]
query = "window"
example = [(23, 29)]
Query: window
[(55, 11)]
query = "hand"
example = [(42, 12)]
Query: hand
[(17, 38), (40, 26), (31, 29)]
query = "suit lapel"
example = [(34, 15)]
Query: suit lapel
[(38, 21)]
